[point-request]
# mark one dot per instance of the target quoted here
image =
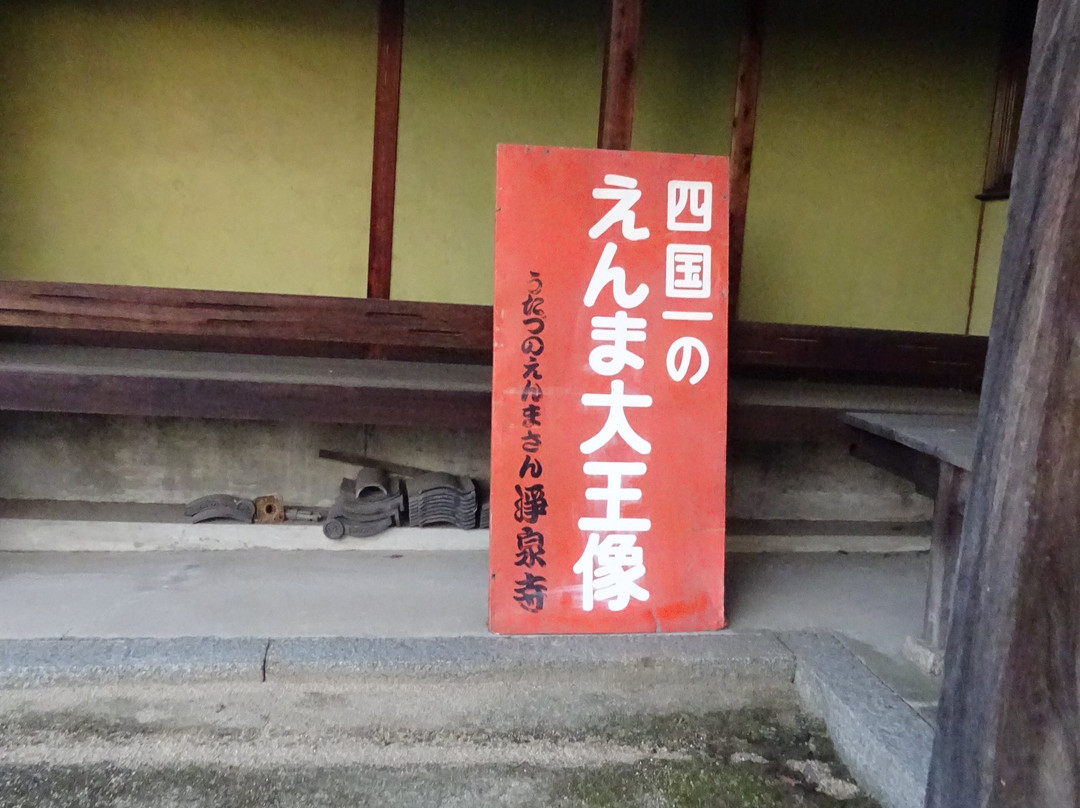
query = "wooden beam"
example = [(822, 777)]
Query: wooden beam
[(160, 396), (155, 383), (897, 459), (253, 323), (1009, 721), (109, 381), (949, 503), (234, 322), (859, 354), (384, 152), (620, 67), (747, 84)]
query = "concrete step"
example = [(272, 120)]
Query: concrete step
[(306, 753), (49, 526), (711, 719), (876, 598), (708, 719)]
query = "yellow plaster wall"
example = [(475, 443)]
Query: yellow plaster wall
[(870, 145), (489, 71), (226, 144), (473, 75), (986, 273), (215, 145), (686, 76)]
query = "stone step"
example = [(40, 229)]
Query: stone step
[(562, 721), (719, 718)]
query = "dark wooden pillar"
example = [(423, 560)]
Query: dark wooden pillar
[(945, 543), (1009, 725), (748, 79), (620, 67), (384, 153)]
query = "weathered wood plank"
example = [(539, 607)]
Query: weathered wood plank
[(620, 68), (851, 397), (384, 152), (212, 385), (234, 322), (903, 461), (949, 438), (62, 378), (949, 503), (868, 355), (133, 316), (1009, 721), (747, 83), (157, 396)]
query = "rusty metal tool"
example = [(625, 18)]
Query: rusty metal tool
[(220, 506)]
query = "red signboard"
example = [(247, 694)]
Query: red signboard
[(609, 404)]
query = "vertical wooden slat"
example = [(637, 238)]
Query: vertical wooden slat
[(975, 267), (747, 84), (384, 153), (620, 67), (1014, 53), (1009, 721)]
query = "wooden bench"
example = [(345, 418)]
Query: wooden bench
[(196, 384), (193, 384), (936, 451), (123, 350)]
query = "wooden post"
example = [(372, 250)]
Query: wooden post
[(949, 505), (748, 80), (620, 66), (384, 153), (1009, 721)]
